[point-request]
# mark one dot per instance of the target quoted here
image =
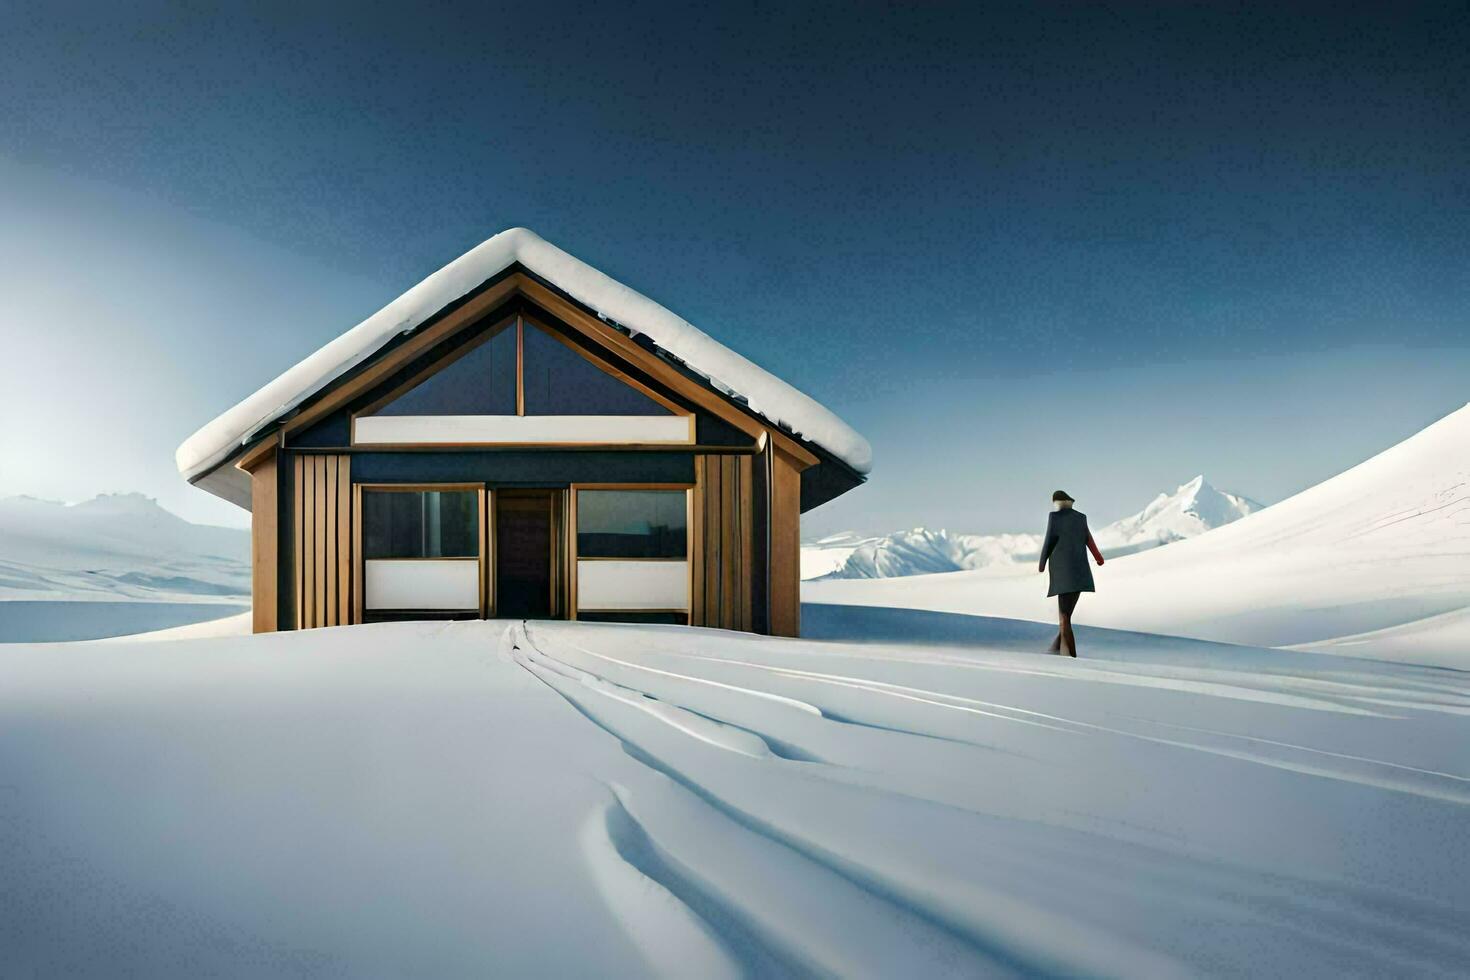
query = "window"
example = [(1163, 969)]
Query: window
[(482, 381), (559, 381), (632, 524), (524, 385), (420, 524)]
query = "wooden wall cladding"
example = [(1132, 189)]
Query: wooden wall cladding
[(322, 520), (264, 544), (722, 527), (785, 557)]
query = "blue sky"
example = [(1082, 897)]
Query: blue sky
[(1019, 248)]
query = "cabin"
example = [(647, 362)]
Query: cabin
[(521, 436)]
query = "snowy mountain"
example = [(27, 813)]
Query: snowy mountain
[(114, 564), (1192, 509), (827, 555), (117, 545), (924, 552), (1371, 562)]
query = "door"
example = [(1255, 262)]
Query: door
[(527, 554)]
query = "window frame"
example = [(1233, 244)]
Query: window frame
[(428, 371), (690, 547), (484, 539), (520, 321)]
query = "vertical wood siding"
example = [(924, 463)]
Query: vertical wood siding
[(323, 536), (722, 552), (264, 545), (785, 557)]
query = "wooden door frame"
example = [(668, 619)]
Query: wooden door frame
[(560, 604)]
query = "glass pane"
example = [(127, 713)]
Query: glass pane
[(482, 382), (631, 524), (559, 381), (420, 524)]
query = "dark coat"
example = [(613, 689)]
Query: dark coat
[(1065, 547)]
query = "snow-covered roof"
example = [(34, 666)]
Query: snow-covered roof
[(728, 371)]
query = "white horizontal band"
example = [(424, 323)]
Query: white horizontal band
[(442, 429)]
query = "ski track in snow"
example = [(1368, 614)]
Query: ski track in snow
[(472, 798), (652, 707)]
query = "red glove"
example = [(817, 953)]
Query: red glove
[(1092, 546)]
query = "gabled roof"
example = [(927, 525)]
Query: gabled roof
[(727, 371)]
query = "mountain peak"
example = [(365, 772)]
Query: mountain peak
[(1192, 509)]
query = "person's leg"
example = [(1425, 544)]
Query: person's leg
[(1066, 603), (1063, 611)]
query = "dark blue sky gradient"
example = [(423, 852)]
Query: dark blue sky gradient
[(976, 232)]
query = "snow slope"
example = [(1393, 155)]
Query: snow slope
[(578, 800), (63, 620), (237, 625), (1192, 509), (116, 545), (117, 563), (727, 370), (1442, 639), (1381, 546)]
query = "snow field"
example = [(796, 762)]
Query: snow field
[(558, 798)]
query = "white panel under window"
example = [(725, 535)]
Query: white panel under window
[(410, 585), (438, 429), (632, 585)]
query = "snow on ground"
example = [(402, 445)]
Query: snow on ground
[(57, 621), (1379, 547), (1442, 639), (578, 799), (237, 625)]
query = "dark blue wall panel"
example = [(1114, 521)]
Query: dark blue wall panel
[(522, 468)]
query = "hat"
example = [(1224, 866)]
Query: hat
[(1062, 495)]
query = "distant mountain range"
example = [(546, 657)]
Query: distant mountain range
[(1192, 509), (117, 547)]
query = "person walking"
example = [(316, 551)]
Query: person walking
[(1065, 548)]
